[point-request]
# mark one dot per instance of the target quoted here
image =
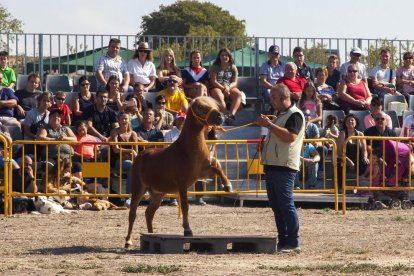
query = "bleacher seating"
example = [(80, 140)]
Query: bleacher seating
[(249, 85), (55, 83), (407, 113), (394, 118), (21, 81), (411, 102), (393, 98)]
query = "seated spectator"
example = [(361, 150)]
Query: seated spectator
[(167, 68), (134, 109), (8, 102), (405, 76), (37, 116), (100, 118), (353, 93), (349, 128), (334, 76), (27, 96), (82, 100), (29, 184), (85, 152), (112, 64), (309, 100), (139, 90), (376, 107), (407, 129), (55, 131), (271, 71), (60, 98), (223, 80), (9, 77), (195, 77), (147, 130), (176, 100), (355, 54), (382, 76), (308, 167), (327, 93), (163, 119), (294, 82), (303, 70), (380, 129), (142, 68), (331, 129), (114, 94)]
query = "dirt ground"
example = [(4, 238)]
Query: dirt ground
[(88, 243)]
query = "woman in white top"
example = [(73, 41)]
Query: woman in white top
[(141, 68)]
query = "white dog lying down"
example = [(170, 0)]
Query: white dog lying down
[(47, 205)]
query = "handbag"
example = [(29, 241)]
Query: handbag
[(35, 127)]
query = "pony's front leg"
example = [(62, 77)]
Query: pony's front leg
[(184, 209), (216, 169)]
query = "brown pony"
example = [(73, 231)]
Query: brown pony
[(177, 167)]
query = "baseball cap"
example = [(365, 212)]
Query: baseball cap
[(181, 115), (356, 50), (274, 49)]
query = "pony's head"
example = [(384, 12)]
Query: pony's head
[(206, 111)]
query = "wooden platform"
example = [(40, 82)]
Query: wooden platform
[(178, 244)]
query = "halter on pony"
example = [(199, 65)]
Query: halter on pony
[(203, 120)]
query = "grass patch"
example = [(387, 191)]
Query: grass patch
[(326, 210), (343, 268), (144, 268), (398, 218)]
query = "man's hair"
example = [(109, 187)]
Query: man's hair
[(291, 63), (385, 50), (46, 94), (297, 49), (114, 40), (101, 92), (333, 57), (376, 101), (33, 75), (4, 54), (280, 89), (60, 94)]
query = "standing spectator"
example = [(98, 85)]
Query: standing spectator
[(303, 70), (405, 76), (147, 130), (60, 98), (100, 118), (271, 71), (167, 68), (114, 94), (176, 100), (142, 68), (163, 119), (27, 96), (380, 129), (9, 77), (83, 99), (355, 54), (334, 76), (112, 64), (223, 79), (294, 82), (195, 77), (376, 107), (382, 76), (353, 93), (327, 93), (281, 158), (8, 102)]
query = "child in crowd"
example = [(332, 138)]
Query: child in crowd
[(331, 129), (133, 108), (60, 98), (139, 90), (85, 150), (309, 99), (9, 77)]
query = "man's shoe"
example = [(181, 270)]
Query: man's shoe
[(127, 203), (290, 249), (200, 201), (173, 202)]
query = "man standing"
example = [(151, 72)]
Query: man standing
[(112, 64), (355, 54), (304, 70), (271, 71), (281, 157)]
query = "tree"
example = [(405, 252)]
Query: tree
[(187, 17)]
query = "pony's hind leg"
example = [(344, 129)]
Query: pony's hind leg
[(184, 209), (135, 199), (154, 204)]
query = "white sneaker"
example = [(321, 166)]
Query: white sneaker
[(127, 202)]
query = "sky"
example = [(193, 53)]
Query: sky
[(264, 18)]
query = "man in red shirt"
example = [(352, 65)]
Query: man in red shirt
[(294, 82)]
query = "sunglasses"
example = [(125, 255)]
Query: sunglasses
[(161, 103), (60, 99), (379, 119), (352, 71), (172, 81), (356, 55), (85, 84), (142, 51)]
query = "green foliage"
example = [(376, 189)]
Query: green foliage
[(8, 24), (143, 268), (186, 18)]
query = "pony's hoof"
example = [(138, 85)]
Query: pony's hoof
[(128, 244), (228, 189), (188, 233)]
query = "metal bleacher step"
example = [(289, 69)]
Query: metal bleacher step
[(178, 244)]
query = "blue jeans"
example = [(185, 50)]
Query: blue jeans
[(279, 185)]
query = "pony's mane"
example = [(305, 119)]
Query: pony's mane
[(205, 100)]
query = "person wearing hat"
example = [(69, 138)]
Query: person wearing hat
[(355, 55), (304, 70), (142, 68), (110, 64), (176, 100), (271, 71)]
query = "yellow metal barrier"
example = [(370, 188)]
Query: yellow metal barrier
[(394, 167), (239, 159), (5, 185)]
